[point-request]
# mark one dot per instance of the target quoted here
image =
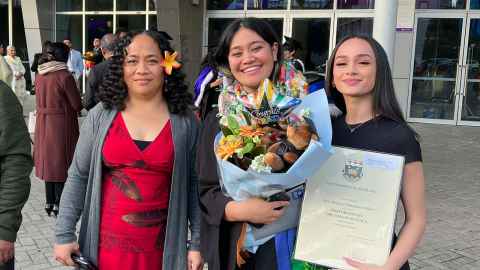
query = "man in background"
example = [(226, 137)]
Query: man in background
[(95, 77), (15, 167), (74, 63)]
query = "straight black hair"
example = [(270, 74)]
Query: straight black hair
[(257, 25), (385, 102)]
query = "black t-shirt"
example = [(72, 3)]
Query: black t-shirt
[(380, 135)]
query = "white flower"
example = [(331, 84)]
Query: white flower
[(258, 165)]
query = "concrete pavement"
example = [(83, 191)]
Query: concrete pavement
[(452, 239)]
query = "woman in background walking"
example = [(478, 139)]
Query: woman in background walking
[(56, 132)]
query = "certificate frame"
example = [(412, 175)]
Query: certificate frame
[(349, 209)]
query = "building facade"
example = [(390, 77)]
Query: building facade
[(433, 45)]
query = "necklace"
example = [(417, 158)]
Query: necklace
[(354, 127)]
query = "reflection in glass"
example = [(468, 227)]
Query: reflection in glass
[(151, 5), (68, 5), (314, 35), (131, 5), (312, 4), (152, 22), (4, 23), (96, 26), (225, 4), (354, 26), (356, 4), (99, 5), (440, 4), (131, 22), (215, 30), (70, 26), (267, 4), (435, 68), (474, 4), (471, 101)]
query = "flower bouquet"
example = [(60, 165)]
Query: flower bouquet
[(272, 140)]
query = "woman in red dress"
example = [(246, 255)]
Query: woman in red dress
[(136, 201)]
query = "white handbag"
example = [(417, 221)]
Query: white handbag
[(32, 119)]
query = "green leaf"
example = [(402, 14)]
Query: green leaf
[(226, 131), (246, 149), (233, 124), (247, 117)]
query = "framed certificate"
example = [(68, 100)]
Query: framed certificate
[(349, 209)]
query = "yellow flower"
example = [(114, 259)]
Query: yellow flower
[(250, 131), (170, 63), (227, 146)]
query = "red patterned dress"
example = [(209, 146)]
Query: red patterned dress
[(135, 195)]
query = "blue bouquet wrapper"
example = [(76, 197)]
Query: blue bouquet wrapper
[(240, 185)]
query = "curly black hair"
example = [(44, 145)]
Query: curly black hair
[(113, 90)]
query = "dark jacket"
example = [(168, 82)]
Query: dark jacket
[(94, 80), (218, 238), (58, 104), (15, 163), (36, 58)]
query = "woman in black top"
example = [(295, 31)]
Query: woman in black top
[(360, 82)]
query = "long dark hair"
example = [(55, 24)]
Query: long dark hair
[(54, 51), (257, 25), (113, 90), (385, 102)]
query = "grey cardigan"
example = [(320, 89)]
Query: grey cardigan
[(82, 192)]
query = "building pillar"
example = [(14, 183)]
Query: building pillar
[(32, 28), (384, 25), (183, 21)]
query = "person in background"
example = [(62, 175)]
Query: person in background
[(6, 74), (98, 72), (290, 48), (207, 86), (15, 167), (57, 104), (361, 85), (74, 63), (133, 180), (121, 33), (19, 84), (97, 50)]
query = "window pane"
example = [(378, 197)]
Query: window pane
[(277, 25), (96, 26), (354, 26), (267, 4), (475, 4), (70, 26), (4, 23), (314, 36), (312, 4), (437, 51), (152, 22), (99, 5), (215, 29), (131, 22), (440, 4), (151, 5), (131, 5), (224, 4), (69, 5), (356, 4)]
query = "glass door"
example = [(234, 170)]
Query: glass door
[(469, 113), (437, 69)]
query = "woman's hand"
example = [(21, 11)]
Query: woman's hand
[(195, 260), (363, 266), (63, 253), (255, 210)]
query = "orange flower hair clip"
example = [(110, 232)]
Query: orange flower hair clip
[(170, 62)]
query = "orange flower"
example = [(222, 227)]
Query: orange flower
[(250, 131), (227, 147), (169, 62)]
